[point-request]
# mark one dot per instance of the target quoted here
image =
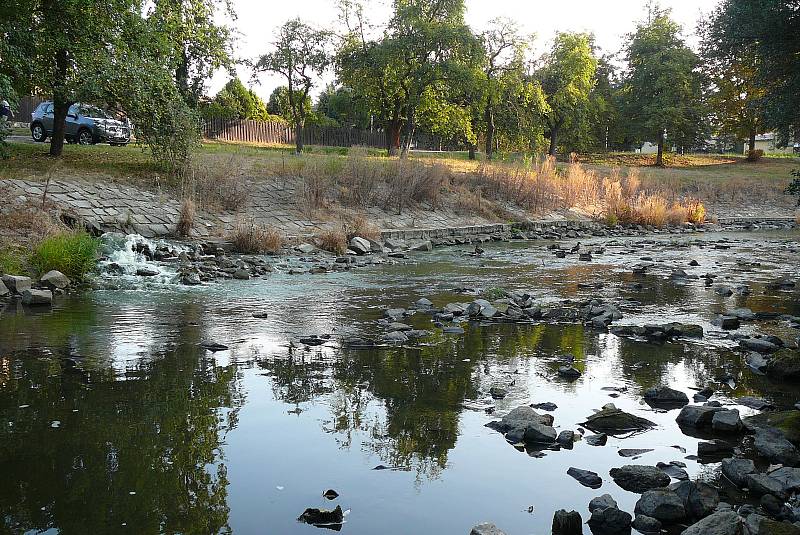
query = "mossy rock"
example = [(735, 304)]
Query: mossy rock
[(767, 526), (787, 421), (616, 421)]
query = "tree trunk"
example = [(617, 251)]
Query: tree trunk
[(752, 145), (489, 116), (298, 138), (408, 135), (553, 141), (60, 109), (393, 137), (60, 105), (472, 150), (660, 155)]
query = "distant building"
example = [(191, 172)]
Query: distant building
[(768, 143)]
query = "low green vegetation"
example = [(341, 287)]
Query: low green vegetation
[(72, 253), (11, 261)]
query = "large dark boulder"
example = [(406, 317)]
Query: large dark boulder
[(662, 504), (639, 478)]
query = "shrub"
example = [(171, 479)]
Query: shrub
[(696, 212), (219, 183), (72, 253), (250, 237), (186, 220), (359, 226), (334, 241), (755, 155)]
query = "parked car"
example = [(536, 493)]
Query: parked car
[(85, 125)]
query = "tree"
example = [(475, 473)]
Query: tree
[(567, 77), (280, 105), (235, 101), (300, 53), (765, 31), (193, 44), (65, 48), (504, 50), (424, 43), (117, 53), (344, 105), (662, 88)]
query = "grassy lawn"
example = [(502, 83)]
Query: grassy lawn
[(133, 164)]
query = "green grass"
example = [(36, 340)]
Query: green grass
[(72, 253), (11, 262)]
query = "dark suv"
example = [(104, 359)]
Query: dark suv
[(85, 125)]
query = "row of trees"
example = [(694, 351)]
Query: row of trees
[(427, 71)]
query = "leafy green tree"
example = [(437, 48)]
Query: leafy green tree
[(192, 42), (567, 77), (344, 105), (504, 50), (235, 101), (6, 93), (280, 105), (738, 97), (424, 43), (300, 54), (662, 89), (765, 31), (65, 48)]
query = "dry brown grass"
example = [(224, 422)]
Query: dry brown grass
[(186, 220), (219, 182), (250, 237), (361, 227), (332, 240)]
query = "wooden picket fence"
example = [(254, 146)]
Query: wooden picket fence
[(280, 133)]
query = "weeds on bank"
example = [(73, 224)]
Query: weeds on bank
[(332, 240), (73, 253), (11, 262), (250, 237)]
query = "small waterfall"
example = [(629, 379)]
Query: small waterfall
[(130, 261)]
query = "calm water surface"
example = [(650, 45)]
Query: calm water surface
[(114, 420)]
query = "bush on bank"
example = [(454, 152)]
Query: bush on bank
[(73, 253)]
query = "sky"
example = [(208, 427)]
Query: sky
[(608, 20)]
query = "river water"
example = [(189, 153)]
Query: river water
[(113, 418)]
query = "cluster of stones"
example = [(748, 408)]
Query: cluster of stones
[(39, 293)]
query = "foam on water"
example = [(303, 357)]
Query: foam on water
[(122, 259)]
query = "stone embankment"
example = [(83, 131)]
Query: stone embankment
[(111, 206)]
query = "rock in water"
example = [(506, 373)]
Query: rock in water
[(699, 499), (610, 521), (602, 502), (737, 470), (720, 523), (639, 478), (321, 517), (569, 372), (17, 283), (55, 280), (567, 523), (663, 396), (697, 415), (37, 297), (726, 421), (647, 525), (486, 528), (760, 525), (774, 446), (612, 420), (586, 478), (662, 504)]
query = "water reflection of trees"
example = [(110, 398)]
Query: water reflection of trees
[(141, 452), (406, 403)]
